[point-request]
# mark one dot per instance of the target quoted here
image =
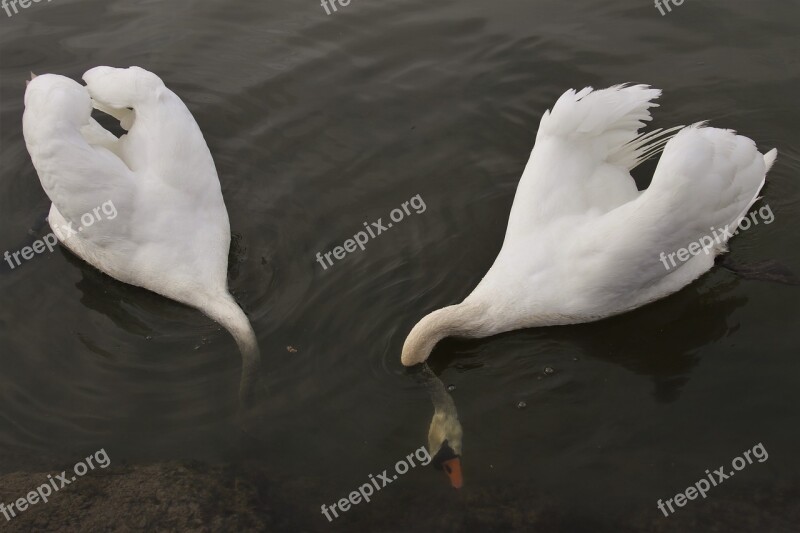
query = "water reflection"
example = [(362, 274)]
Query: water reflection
[(660, 341)]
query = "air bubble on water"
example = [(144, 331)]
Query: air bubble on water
[(451, 388), (522, 405), (148, 338)]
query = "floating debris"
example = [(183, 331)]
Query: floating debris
[(549, 370), (451, 388), (291, 349), (522, 405)]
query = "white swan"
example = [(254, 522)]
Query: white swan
[(582, 243), (172, 233)]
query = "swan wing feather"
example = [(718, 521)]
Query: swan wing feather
[(705, 183), (584, 151)]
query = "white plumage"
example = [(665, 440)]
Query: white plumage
[(172, 234), (582, 242)]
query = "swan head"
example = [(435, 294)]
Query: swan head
[(444, 443)]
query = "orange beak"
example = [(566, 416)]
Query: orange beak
[(452, 468)]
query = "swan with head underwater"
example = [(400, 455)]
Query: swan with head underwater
[(445, 433), (582, 243), (172, 233)]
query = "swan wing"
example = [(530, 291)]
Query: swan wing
[(97, 135), (72, 156), (163, 139), (705, 183), (584, 151)]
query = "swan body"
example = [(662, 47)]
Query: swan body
[(172, 234), (582, 242)]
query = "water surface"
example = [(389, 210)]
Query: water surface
[(319, 123)]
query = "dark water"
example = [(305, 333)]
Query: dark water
[(318, 123)]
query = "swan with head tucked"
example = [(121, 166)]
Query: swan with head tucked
[(582, 243), (172, 233)]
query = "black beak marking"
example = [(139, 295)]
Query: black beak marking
[(445, 453)]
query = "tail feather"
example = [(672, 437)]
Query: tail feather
[(769, 158)]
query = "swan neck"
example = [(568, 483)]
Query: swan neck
[(225, 311), (445, 425), (441, 399), (461, 320)]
